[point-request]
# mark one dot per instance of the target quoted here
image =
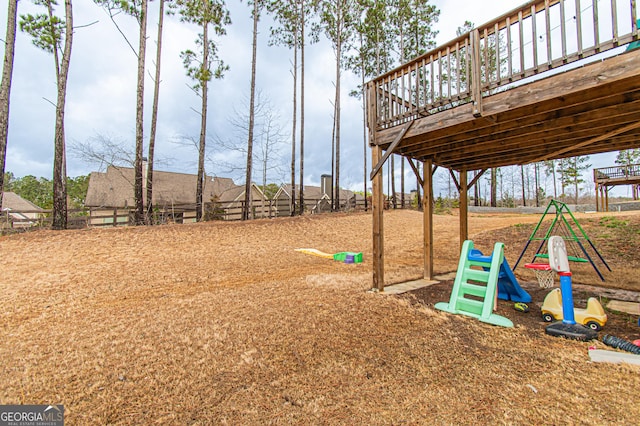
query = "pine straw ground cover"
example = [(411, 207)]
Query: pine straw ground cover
[(224, 323)]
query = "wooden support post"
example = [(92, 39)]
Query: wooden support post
[(476, 72), (597, 197), (427, 214), (464, 223), (378, 224)]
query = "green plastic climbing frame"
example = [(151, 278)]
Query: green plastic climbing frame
[(475, 286)]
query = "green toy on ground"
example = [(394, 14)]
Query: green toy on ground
[(343, 256), (477, 277)]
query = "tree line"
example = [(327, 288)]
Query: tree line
[(368, 38), (40, 190)]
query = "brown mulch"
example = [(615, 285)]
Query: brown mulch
[(225, 323)]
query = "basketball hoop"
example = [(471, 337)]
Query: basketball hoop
[(544, 274)]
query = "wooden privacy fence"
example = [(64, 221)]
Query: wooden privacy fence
[(538, 37), (14, 221)]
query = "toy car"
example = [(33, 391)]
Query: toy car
[(593, 316)]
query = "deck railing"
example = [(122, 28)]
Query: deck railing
[(627, 171), (537, 37)]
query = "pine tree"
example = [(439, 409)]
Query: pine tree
[(48, 32), (203, 65), (5, 87), (137, 9)]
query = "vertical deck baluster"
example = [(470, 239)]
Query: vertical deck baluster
[(563, 31), (496, 30), (521, 29), (449, 72), (458, 69), (485, 61), (509, 50), (389, 95), (424, 83), (440, 74), (397, 109), (634, 20), (534, 36), (467, 63), (476, 86), (381, 99), (379, 89), (547, 17), (614, 22), (596, 30), (403, 93), (579, 27), (417, 86), (432, 100)]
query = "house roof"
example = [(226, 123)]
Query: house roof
[(114, 188), (312, 193), (11, 200)]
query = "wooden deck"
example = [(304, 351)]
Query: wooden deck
[(606, 177), (549, 80), (588, 110)]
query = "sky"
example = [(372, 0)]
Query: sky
[(101, 95)]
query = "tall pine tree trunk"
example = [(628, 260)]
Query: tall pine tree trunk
[(203, 124), (494, 187), (402, 201), (154, 118), (524, 198), (138, 191), (537, 184), (364, 124), (5, 87), (332, 194), (59, 164), (337, 117), (292, 209), (246, 208), (476, 191), (301, 206), (392, 177)]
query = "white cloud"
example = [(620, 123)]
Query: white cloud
[(101, 96)]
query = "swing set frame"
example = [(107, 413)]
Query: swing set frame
[(560, 217)]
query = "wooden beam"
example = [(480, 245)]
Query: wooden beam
[(464, 221), (415, 171), (608, 135), (524, 153), (378, 225), (455, 180), (508, 159), (427, 215), (475, 179), (389, 151), (548, 125)]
